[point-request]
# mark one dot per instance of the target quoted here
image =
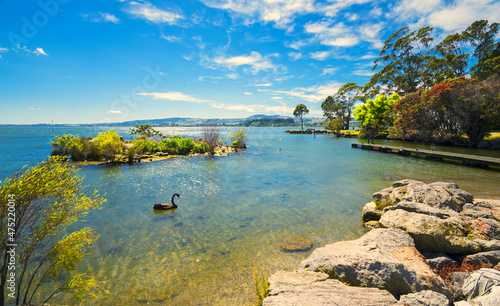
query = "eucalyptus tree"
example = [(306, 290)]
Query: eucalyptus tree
[(299, 111), (341, 104), (406, 60)]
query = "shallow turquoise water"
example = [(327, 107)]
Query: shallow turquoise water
[(234, 211)]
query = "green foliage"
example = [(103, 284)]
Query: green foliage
[(299, 111), (335, 124), (261, 286), (174, 146), (49, 197), (406, 57), (341, 104), (238, 138), (145, 130), (108, 144), (61, 144), (376, 115)]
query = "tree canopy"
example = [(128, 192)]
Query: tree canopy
[(341, 104), (375, 115), (46, 198), (299, 111)]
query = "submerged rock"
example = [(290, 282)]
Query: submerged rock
[(296, 245)]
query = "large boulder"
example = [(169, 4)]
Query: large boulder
[(439, 195), (431, 233), (439, 260), (314, 288), (382, 258), (489, 205)]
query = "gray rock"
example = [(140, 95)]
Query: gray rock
[(369, 213), (432, 234), (480, 283), (490, 299), (490, 205), (312, 288), (439, 195), (488, 245), (491, 258), (425, 298), (421, 208), (438, 260), (478, 214), (456, 282), (382, 258), (486, 229)]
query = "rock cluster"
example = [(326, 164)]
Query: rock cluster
[(416, 229)]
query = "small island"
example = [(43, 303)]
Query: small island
[(151, 145)]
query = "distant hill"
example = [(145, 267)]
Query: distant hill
[(178, 121)]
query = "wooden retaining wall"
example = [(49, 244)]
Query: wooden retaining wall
[(468, 160)]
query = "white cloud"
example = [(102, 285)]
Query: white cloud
[(255, 61), (451, 16), (39, 51), (34, 109), (247, 93), (264, 84), (313, 94), (171, 38), (145, 10), (4, 50), (199, 42), (173, 96), (295, 56), (101, 17), (320, 55), (281, 12), (232, 76), (462, 13), (337, 35), (115, 112), (363, 72), (277, 98), (329, 70)]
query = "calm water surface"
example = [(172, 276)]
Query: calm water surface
[(234, 211)]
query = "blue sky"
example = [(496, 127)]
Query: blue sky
[(71, 61)]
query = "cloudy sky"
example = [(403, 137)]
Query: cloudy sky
[(92, 61)]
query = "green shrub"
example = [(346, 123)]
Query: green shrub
[(108, 144), (140, 145), (201, 147), (153, 147), (186, 145)]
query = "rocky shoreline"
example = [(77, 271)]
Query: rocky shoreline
[(428, 244)]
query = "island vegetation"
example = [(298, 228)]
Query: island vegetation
[(109, 147), (447, 94)]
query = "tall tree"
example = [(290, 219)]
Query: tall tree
[(341, 104), (454, 60), (481, 35), (375, 115), (38, 205), (299, 111), (406, 57)]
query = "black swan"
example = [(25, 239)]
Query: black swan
[(167, 206)]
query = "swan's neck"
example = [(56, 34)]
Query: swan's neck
[(173, 204)]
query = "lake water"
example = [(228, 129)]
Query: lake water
[(234, 211)]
